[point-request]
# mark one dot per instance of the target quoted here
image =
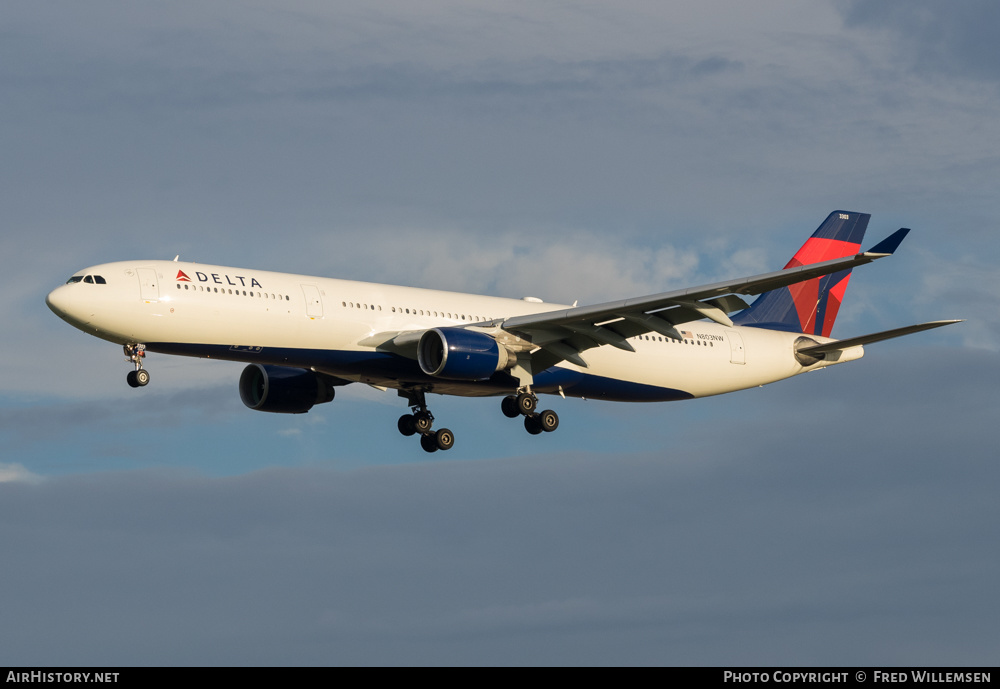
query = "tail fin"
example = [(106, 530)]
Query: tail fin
[(811, 307)]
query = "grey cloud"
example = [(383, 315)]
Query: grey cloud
[(11, 471), (957, 39), (156, 409), (155, 89)]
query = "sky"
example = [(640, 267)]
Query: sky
[(569, 151)]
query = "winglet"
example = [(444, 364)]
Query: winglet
[(888, 246)]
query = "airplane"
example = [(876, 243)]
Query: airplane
[(302, 336)]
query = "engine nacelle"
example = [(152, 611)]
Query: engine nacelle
[(283, 390), (459, 354)]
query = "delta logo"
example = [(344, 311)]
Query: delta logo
[(218, 279)]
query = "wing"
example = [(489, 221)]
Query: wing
[(563, 335)]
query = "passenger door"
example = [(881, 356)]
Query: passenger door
[(149, 290)]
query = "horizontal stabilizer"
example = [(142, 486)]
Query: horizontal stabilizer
[(840, 345)]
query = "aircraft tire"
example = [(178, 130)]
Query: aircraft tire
[(532, 424), (548, 421), (429, 442), (509, 407), (445, 439), (422, 422), (406, 425), (526, 403), (142, 377), (132, 382)]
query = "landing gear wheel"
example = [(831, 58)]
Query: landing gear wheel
[(509, 407), (422, 422), (406, 425), (445, 439), (428, 441), (526, 403), (548, 421), (134, 354), (532, 424)]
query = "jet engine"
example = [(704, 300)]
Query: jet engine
[(459, 354), (283, 390)]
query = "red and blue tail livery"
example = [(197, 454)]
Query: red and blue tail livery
[(302, 336), (811, 307)]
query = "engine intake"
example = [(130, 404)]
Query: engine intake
[(459, 354), (283, 390)]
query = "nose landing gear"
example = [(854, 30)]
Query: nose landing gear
[(135, 353)]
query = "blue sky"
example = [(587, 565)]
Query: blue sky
[(576, 151)]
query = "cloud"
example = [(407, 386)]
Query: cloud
[(10, 472), (971, 287), (955, 41), (159, 408), (550, 263)]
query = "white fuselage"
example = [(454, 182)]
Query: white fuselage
[(321, 323)]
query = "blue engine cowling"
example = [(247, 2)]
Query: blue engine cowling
[(459, 354), (283, 390)]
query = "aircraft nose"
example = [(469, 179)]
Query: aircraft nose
[(58, 300), (65, 303)]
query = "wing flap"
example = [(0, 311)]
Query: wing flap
[(565, 350), (601, 335), (654, 323)]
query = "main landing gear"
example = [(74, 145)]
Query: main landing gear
[(420, 421), (513, 406), (134, 354), (524, 404)]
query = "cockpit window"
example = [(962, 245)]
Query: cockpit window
[(89, 279), (75, 278), (99, 280)]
